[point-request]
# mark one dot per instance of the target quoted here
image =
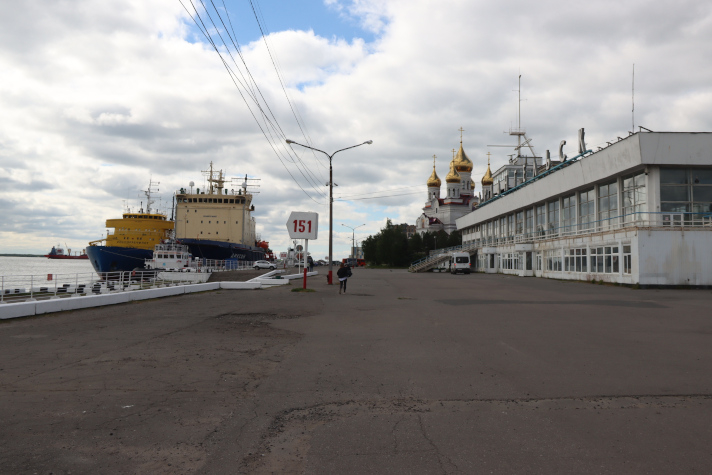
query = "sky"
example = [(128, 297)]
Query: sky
[(99, 98)]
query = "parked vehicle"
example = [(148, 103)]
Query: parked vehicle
[(263, 265), (460, 262), (350, 261)]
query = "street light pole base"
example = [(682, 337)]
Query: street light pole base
[(328, 279)]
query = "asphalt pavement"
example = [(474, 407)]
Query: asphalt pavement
[(405, 373)]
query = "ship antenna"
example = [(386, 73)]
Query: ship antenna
[(148, 192)]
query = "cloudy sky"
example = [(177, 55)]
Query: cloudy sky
[(97, 98)]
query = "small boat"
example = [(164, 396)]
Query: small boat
[(58, 253), (173, 262)]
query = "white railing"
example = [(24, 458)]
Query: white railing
[(20, 288), (663, 220)]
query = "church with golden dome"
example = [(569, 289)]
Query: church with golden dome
[(440, 212)]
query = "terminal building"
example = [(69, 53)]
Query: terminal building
[(638, 211)]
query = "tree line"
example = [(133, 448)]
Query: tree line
[(391, 246)]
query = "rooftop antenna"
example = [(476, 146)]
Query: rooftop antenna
[(633, 98)]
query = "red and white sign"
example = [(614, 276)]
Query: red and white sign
[(282, 255), (303, 225)]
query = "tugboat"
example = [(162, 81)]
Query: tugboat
[(58, 253), (133, 240), (216, 223)]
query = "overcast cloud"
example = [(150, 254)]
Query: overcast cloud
[(98, 97)]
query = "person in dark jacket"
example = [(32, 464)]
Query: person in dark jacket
[(343, 274)]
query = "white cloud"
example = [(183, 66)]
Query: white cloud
[(98, 96)]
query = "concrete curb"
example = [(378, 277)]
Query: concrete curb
[(28, 309)]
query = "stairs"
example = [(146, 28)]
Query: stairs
[(433, 260)]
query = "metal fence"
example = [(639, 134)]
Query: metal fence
[(660, 220), (20, 288)]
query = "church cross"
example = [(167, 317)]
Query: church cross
[(453, 154), (461, 131), (434, 157), (488, 158)]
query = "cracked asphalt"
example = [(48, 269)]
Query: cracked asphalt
[(406, 373)]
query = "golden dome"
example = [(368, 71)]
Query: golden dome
[(487, 179), (434, 180), (462, 163), (452, 176), (472, 185)]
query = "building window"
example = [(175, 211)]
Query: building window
[(627, 262), (569, 260), (607, 204), (686, 190), (553, 260), (529, 227), (596, 260), (510, 261), (604, 260), (553, 218), (586, 210), (569, 214), (519, 222), (575, 260), (540, 220), (510, 224), (634, 198)]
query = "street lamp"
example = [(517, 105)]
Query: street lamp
[(331, 197), (353, 238)]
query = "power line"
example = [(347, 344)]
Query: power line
[(378, 197), (311, 178), (277, 69), (348, 195), (269, 125)]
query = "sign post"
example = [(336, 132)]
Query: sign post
[(303, 225)]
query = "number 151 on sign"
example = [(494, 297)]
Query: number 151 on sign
[(303, 225)]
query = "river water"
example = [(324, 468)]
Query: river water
[(41, 266)]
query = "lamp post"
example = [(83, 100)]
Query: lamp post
[(331, 198), (353, 238)]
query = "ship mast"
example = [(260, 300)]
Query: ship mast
[(148, 192), (215, 179)]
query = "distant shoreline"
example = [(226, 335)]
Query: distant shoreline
[(21, 255)]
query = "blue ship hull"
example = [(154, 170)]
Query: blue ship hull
[(116, 259), (219, 251)]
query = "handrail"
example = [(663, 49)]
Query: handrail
[(664, 220), (19, 288)]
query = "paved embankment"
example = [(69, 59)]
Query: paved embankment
[(406, 373)]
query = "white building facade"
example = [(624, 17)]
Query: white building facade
[(636, 212)]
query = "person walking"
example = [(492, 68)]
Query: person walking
[(343, 274)]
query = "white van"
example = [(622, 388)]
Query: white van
[(460, 262)]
